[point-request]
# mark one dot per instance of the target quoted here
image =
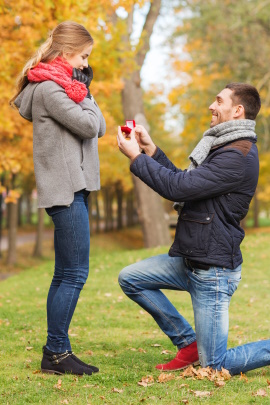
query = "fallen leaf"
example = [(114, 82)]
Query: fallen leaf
[(164, 377), (243, 377), (65, 401), (89, 352), (260, 393), (141, 350), (155, 345), (201, 393), (117, 390), (183, 385), (29, 348), (36, 372), (133, 349), (219, 383), (184, 401), (166, 352), (189, 372), (58, 385), (146, 381), (107, 294), (268, 382)]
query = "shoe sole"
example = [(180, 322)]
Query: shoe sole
[(51, 372), (196, 363)]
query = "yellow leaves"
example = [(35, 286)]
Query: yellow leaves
[(12, 197)]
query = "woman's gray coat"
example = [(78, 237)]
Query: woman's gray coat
[(65, 142)]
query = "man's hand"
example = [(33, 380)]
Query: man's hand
[(144, 140), (128, 146)]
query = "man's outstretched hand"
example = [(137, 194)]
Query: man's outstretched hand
[(128, 146), (144, 140)]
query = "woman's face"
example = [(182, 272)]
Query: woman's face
[(79, 60)]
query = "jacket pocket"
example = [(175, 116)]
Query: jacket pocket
[(194, 231)]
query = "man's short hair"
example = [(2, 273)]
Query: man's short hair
[(248, 96)]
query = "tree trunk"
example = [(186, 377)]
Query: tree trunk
[(130, 209), (256, 211), (20, 211), (12, 232), (39, 236), (1, 221), (151, 211), (97, 212), (28, 209), (119, 197)]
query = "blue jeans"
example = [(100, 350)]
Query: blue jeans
[(211, 291), (72, 246)]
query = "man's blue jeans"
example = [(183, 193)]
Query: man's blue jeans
[(72, 245), (211, 291)]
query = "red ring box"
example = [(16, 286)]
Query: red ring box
[(130, 124)]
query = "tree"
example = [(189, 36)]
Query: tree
[(220, 50)]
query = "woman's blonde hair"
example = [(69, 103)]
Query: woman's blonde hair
[(67, 37)]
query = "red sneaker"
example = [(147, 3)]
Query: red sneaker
[(184, 358)]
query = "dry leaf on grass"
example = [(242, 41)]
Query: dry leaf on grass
[(65, 401), (243, 377), (201, 394), (208, 373), (29, 348), (89, 352), (166, 352), (164, 377), (219, 383), (146, 381), (184, 401), (155, 345), (260, 393), (141, 350), (117, 390), (58, 385)]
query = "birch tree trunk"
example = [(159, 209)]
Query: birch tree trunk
[(151, 211)]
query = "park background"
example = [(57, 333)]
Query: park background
[(161, 63)]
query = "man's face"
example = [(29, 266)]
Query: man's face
[(222, 108)]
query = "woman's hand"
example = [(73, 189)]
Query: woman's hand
[(128, 146), (144, 140)]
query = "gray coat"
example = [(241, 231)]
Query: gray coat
[(65, 142)]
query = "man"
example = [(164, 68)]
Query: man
[(205, 258)]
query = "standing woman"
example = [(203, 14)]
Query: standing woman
[(53, 93)]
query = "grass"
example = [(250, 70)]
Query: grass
[(110, 331)]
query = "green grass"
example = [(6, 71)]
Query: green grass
[(115, 329)]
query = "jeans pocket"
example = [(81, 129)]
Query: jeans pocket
[(205, 275), (232, 285)]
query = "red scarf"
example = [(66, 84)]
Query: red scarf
[(60, 72)]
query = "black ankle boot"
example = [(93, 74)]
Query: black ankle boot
[(61, 363), (93, 368)]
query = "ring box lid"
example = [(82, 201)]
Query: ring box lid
[(130, 124)]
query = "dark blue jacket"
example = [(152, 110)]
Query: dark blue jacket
[(217, 195)]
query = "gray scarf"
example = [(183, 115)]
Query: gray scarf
[(218, 135)]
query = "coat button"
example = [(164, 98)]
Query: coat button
[(208, 219)]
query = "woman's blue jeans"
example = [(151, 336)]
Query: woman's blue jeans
[(211, 292), (72, 246)]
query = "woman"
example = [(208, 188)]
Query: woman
[(53, 93)]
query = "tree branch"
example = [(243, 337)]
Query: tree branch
[(151, 18)]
